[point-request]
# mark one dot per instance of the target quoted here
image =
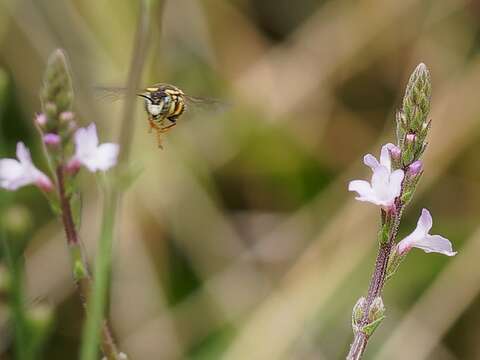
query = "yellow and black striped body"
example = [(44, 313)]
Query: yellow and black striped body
[(164, 102)]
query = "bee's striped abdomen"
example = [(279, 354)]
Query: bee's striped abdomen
[(179, 107)]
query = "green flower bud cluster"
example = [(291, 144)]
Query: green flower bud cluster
[(56, 96), (412, 120)]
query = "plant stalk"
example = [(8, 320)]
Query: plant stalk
[(377, 282), (81, 273)]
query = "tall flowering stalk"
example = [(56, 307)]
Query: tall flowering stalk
[(68, 148), (393, 183)]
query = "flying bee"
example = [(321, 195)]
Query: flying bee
[(164, 104)]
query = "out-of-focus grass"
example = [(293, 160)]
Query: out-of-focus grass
[(239, 240)]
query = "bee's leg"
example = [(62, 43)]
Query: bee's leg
[(158, 132), (167, 128), (151, 123)]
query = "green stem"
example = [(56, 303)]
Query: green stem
[(379, 276), (97, 304), (98, 301), (79, 265)]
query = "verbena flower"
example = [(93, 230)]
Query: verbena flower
[(90, 154), (385, 184), (17, 173), (420, 238)]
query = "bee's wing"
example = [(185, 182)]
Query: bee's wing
[(207, 104), (112, 93)]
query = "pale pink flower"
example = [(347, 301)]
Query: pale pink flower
[(420, 238), (17, 173), (89, 153), (385, 184)]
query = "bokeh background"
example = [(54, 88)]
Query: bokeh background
[(240, 240)]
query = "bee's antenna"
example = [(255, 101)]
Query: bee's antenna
[(145, 96)]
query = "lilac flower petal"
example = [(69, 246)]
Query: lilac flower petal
[(436, 243), (380, 181), (385, 186), (425, 221), (15, 174), (86, 139), (396, 179), (90, 154), (23, 155), (385, 156), (11, 171), (420, 238), (371, 161), (362, 187), (107, 156)]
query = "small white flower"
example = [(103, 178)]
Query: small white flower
[(90, 154), (385, 185), (17, 173), (420, 238)]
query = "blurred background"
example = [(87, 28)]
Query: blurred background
[(240, 240)]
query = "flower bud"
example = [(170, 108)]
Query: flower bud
[(41, 120), (57, 84), (50, 110), (67, 116), (395, 152), (416, 102), (357, 313), (73, 166), (410, 138), (52, 140), (415, 168), (377, 309), (56, 95)]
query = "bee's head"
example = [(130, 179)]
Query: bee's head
[(156, 97)]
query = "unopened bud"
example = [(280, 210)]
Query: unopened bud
[(67, 116), (73, 166), (358, 312), (52, 140), (377, 309), (415, 168), (411, 138), (395, 152), (41, 120), (50, 110), (57, 83), (416, 102)]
